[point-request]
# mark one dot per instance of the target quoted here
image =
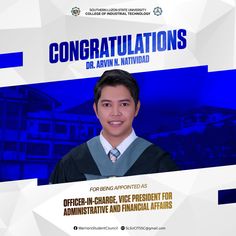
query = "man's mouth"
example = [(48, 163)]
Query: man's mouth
[(115, 122)]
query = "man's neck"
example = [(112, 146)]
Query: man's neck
[(115, 141), (122, 145)]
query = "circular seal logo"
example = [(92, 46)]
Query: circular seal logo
[(157, 11), (75, 11)]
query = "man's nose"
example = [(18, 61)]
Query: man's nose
[(116, 111)]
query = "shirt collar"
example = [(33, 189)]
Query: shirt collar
[(122, 146)]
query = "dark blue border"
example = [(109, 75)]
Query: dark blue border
[(226, 196)]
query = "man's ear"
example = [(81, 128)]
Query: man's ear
[(95, 109), (137, 108)]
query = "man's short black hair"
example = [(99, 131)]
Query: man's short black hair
[(117, 77)]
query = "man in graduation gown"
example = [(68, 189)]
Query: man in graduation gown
[(117, 151)]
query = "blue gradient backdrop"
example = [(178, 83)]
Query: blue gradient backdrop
[(189, 112)]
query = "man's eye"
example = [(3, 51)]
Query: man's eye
[(124, 104), (106, 104)]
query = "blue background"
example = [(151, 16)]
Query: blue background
[(189, 112)]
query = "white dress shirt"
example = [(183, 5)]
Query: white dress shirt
[(121, 147)]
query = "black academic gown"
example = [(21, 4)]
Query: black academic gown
[(79, 163)]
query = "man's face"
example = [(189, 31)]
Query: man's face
[(116, 110)]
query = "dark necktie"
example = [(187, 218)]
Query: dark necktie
[(114, 154)]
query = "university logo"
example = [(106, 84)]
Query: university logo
[(75, 11), (157, 11)]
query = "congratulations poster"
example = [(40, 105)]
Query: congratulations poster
[(182, 54)]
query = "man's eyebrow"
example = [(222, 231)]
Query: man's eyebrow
[(125, 100), (105, 100), (122, 100)]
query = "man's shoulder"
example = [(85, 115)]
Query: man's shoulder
[(155, 148), (151, 151), (153, 159), (151, 147), (160, 156), (77, 152), (80, 152)]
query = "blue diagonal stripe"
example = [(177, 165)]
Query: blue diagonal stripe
[(14, 59)]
